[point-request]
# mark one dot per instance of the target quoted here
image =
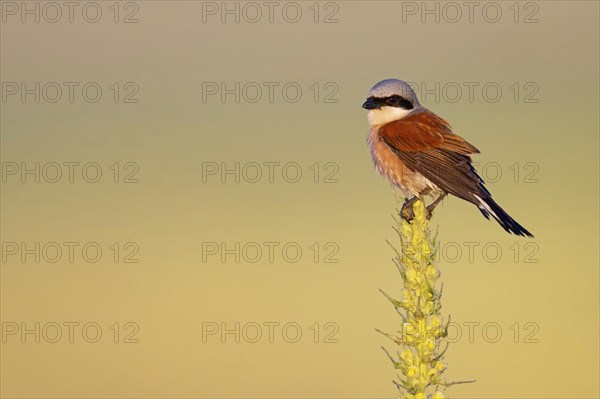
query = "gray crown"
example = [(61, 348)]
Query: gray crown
[(389, 87)]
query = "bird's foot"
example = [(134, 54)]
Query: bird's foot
[(429, 212), (406, 212), (430, 208)]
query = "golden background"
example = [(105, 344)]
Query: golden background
[(171, 294)]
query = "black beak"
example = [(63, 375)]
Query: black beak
[(370, 104)]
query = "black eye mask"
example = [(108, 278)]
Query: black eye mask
[(392, 101)]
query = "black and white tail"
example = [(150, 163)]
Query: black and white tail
[(489, 207)]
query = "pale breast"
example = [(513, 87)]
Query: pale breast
[(394, 169)]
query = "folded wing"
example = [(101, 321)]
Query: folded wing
[(425, 142)]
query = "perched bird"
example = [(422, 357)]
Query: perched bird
[(416, 151)]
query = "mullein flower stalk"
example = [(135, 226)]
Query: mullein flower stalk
[(419, 357)]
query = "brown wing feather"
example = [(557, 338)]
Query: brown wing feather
[(424, 130), (425, 142)]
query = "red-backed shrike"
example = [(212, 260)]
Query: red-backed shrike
[(417, 152)]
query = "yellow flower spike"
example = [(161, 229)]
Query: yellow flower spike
[(440, 367), (434, 326), (428, 307), (422, 333), (411, 371), (408, 328), (432, 272), (406, 357)]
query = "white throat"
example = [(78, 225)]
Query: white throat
[(386, 114)]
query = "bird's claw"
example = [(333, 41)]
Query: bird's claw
[(406, 212), (429, 212)]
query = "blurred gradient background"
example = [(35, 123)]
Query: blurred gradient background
[(541, 134)]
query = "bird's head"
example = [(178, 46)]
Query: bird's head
[(390, 100)]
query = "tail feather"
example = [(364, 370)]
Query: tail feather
[(489, 207)]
